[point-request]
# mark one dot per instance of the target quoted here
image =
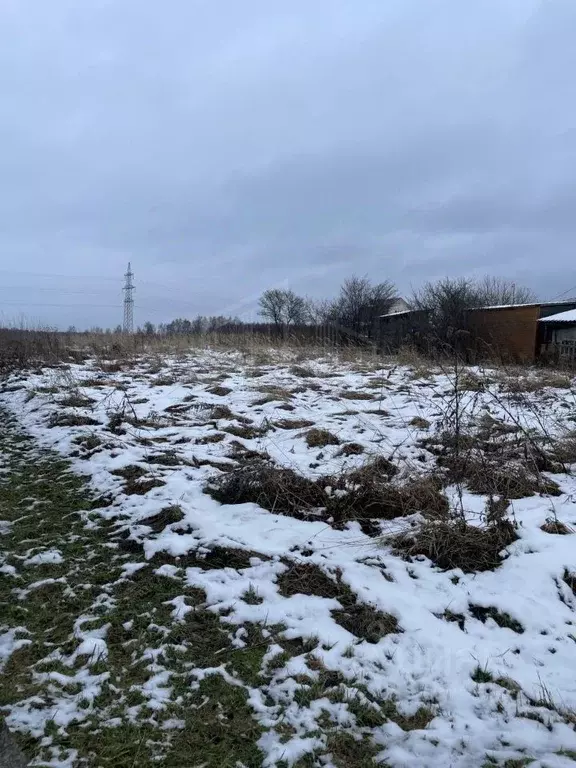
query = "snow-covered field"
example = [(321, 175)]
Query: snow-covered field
[(453, 668)]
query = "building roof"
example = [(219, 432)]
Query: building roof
[(563, 303), (400, 312), (561, 317)]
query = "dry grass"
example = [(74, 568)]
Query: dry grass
[(351, 449), (318, 438), (350, 394), (219, 390), (453, 543), (366, 622), (246, 432), (215, 437), (365, 494), (537, 381), (292, 423), (556, 527), (493, 477), (303, 371), (71, 420), (419, 423), (368, 494), (308, 579), (167, 516), (278, 490)]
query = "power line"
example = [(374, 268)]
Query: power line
[(559, 295), (70, 306)]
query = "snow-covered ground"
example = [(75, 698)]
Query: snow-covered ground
[(495, 691)]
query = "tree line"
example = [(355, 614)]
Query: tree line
[(356, 309)]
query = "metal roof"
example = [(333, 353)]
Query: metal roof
[(561, 317)]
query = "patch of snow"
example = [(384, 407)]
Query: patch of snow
[(47, 557), (431, 661)]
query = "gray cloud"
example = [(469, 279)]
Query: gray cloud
[(224, 147)]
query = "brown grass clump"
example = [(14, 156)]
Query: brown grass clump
[(302, 371), (318, 438), (136, 481), (219, 390), (221, 412), (71, 420), (246, 432), (141, 487), (369, 494), (308, 579), (276, 489), (366, 622), (166, 516), (215, 437), (166, 459), (419, 423), (494, 478), (555, 526), (129, 472), (453, 543), (351, 449), (537, 382), (292, 423), (356, 395), (77, 401), (564, 450)]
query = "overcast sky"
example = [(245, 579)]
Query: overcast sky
[(226, 146)]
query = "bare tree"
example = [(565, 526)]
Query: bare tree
[(444, 306), (501, 290), (320, 311), (360, 304), (282, 307)]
